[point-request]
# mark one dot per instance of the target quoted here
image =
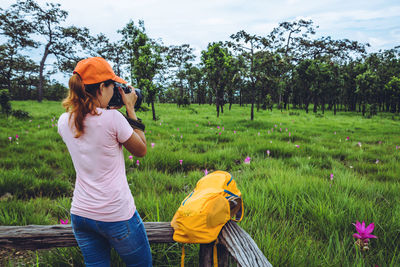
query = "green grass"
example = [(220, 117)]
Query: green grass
[(296, 215)]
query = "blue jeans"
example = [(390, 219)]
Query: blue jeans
[(128, 238)]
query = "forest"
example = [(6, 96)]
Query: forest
[(289, 68)]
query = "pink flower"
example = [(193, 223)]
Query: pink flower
[(219, 133), (152, 145), (347, 138), (130, 157), (235, 132), (380, 142), (181, 136), (205, 172), (286, 129), (160, 123), (334, 133), (364, 233), (247, 160), (377, 161), (223, 128), (16, 136), (268, 152), (290, 134), (258, 133), (197, 125), (217, 127), (177, 129), (331, 176), (276, 125), (297, 146), (64, 222), (272, 130), (180, 161), (280, 129), (137, 162), (10, 138), (359, 144)]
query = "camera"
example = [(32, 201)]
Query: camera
[(116, 99)]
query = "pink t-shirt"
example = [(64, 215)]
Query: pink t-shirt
[(101, 189)]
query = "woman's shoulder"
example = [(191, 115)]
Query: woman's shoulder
[(63, 117), (109, 113)]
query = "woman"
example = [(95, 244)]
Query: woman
[(103, 212)]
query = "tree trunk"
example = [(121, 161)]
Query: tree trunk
[(41, 78), (153, 110), (10, 65), (334, 109), (252, 111), (230, 106), (398, 107), (315, 106), (217, 100)]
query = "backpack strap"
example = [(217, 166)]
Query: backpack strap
[(215, 253), (183, 256)]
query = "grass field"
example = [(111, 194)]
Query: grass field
[(294, 211)]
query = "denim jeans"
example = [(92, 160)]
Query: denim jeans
[(128, 238)]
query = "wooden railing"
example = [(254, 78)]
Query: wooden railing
[(233, 241)]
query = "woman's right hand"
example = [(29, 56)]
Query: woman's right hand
[(128, 99)]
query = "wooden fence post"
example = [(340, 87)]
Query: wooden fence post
[(206, 255)]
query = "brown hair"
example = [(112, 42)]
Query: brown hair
[(81, 101)]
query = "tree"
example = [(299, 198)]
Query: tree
[(216, 60), (286, 39), (59, 41), (114, 52), (16, 28), (247, 45), (145, 60), (177, 58), (393, 91), (367, 84), (303, 81)]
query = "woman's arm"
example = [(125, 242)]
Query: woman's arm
[(136, 144)]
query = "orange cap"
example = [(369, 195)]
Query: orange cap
[(95, 70)]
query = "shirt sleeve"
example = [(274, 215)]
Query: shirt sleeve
[(59, 123), (122, 128)]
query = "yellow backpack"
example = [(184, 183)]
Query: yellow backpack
[(206, 209)]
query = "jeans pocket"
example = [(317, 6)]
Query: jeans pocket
[(118, 230)]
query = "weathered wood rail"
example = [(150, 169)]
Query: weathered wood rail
[(233, 241)]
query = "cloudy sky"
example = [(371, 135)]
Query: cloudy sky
[(200, 22)]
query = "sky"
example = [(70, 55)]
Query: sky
[(197, 23)]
